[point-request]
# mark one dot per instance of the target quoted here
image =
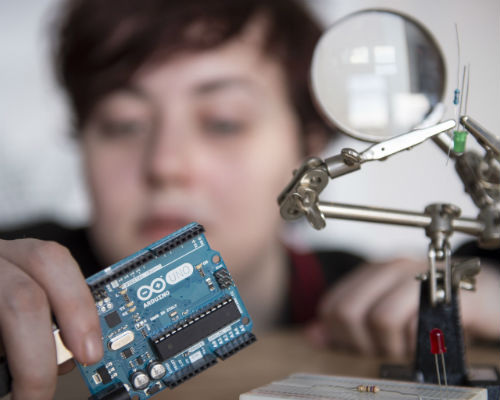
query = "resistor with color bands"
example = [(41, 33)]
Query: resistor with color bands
[(456, 97), (368, 388)]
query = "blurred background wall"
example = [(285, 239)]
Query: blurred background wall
[(39, 167), (40, 173)]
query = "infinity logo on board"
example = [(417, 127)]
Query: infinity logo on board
[(158, 285), (145, 292)]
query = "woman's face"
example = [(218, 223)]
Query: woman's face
[(209, 137)]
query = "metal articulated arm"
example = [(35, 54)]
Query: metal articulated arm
[(301, 196)]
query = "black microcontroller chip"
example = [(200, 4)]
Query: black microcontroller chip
[(193, 333), (104, 374), (112, 319), (127, 352)]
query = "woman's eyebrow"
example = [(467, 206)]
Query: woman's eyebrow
[(134, 91), (215, 85)]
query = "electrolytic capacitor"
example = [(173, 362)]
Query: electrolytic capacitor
[(438, 347), (156, 370), (139, 380)]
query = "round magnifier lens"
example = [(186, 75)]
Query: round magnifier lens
[(376, 74)]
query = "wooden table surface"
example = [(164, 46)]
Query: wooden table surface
[(273, 357)]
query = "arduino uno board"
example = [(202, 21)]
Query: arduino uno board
[(167, 313)]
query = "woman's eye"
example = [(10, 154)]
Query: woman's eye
[(122, 129), (223, 126)]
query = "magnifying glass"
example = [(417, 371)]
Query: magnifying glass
[(376, 74)]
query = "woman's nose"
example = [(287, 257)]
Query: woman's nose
[(168, 156)]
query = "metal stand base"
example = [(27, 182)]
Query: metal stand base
[(447, 318)]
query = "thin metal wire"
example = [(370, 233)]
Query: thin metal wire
[(458, 54), (444, 375), (468, 86), (438, 374)]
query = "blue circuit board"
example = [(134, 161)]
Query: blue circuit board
[(167, 313)]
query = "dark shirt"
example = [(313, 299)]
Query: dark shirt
[(75, 240), (471, 249), (310, 273)]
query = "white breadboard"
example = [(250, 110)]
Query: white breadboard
[(324, 387)]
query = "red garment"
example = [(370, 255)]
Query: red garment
[(307, 286)]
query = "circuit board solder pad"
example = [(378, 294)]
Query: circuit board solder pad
[(167, 312)]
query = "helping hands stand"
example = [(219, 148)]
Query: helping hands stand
[(440, 285)]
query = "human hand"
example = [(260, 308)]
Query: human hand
[(38, 279), (480, 311), (374, 310)]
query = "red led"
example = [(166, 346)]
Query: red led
[(437, 341)]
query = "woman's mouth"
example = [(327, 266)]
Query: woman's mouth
[(156, 228)]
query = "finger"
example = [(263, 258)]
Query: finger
[(346, 330), (26, 331), (66, 367), (342, 312), (390, 315), (411, 334), (479, 318), (345, 309), (54, 269)]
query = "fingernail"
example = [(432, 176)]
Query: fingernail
[(93, 347)]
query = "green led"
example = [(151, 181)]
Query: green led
[(459, 138)]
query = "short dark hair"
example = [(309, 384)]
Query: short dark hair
[(100, 44)]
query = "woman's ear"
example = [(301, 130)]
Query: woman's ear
[(315, 139)]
